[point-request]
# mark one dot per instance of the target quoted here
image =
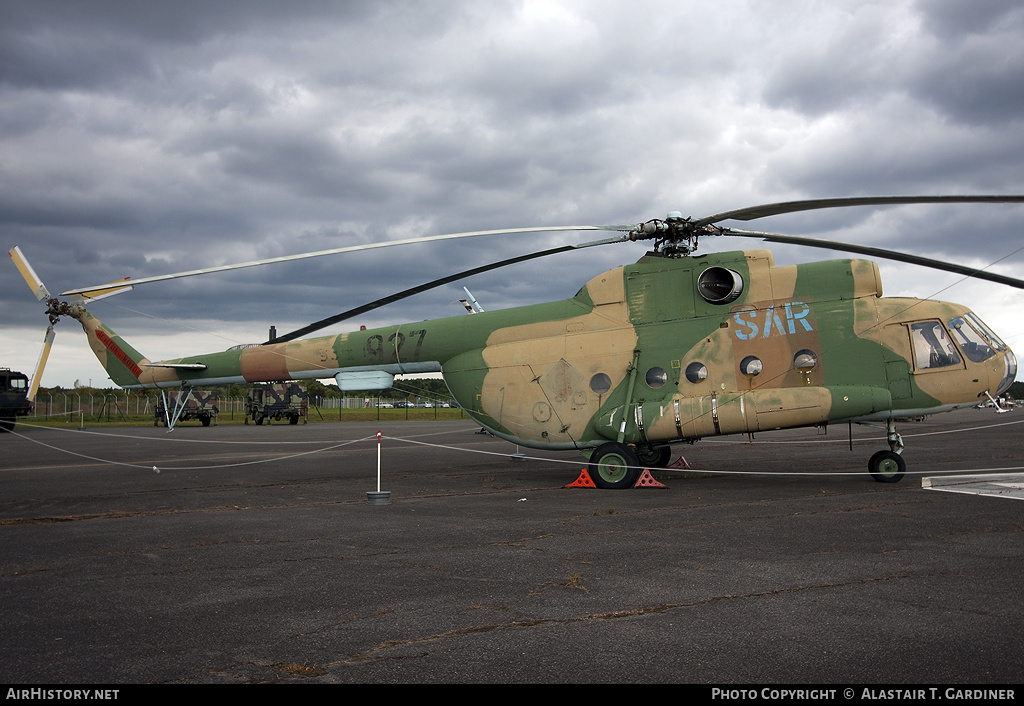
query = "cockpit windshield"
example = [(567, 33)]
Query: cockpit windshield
[(979, 343), (976, 340)]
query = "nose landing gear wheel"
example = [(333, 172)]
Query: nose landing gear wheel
[(614, 466), (887, 467)]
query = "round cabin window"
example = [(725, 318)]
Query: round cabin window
[(805, 360), (656, 377), (695, 372), (751, 366), (600, 383)]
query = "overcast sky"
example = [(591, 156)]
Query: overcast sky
[(140, 138)]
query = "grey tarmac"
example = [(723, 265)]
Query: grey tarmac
[(241, 554)]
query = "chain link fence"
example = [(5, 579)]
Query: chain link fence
[(137, 406)]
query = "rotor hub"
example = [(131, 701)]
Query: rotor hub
[(675, 236), (55, 309)]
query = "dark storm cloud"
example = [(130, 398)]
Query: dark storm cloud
[(965, 62)]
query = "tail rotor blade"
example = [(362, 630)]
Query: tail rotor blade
[(34, 283), (44, 354)]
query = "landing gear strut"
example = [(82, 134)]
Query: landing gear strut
[(889, 466)]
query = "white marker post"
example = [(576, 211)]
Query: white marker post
[(378, 497)]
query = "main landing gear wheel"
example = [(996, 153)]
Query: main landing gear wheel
[(654, 456), (887, 467), (614, 466)]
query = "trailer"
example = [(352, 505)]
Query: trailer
[(200, 404), (277, 401)]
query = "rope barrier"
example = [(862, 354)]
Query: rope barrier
[(156, 469), (416, 440)]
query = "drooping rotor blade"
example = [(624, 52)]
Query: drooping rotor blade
[(338, 251), (773, 209), (44, 355), (753, 212), (877, 252), (116, 287), (34, 283), (323, 323)]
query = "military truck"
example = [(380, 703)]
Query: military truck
[(277, 400), (14, 401), (201, 405)]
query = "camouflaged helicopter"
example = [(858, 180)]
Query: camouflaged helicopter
[(673, 348)]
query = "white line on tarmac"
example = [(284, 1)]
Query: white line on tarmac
[(1000, 485)]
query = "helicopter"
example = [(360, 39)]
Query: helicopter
[(671, 349)]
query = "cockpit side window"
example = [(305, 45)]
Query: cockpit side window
[(932, 347)]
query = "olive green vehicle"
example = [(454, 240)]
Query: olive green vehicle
[(671, 349), (284, 400), (187, 405), (14, 400)]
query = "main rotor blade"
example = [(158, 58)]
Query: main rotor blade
[(877, 252), (323, 323), (773, 209), (338, 251)]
